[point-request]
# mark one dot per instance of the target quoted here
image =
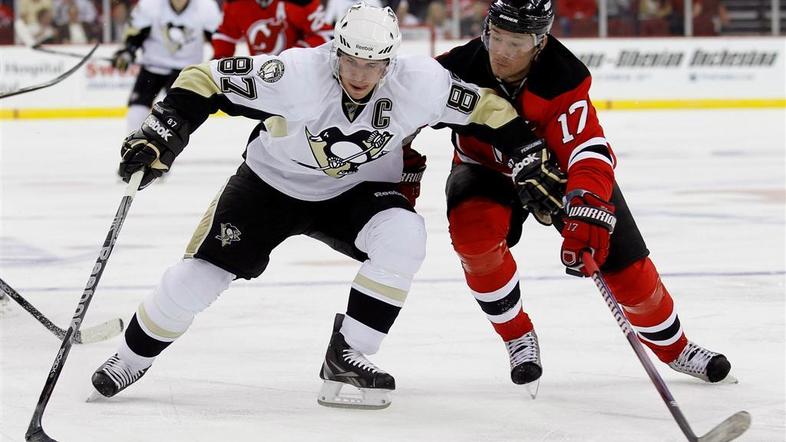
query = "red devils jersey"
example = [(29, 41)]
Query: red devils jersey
[(281, 25), (554, 99)]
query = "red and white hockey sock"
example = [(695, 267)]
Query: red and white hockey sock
[(649, 308), (478, 229)]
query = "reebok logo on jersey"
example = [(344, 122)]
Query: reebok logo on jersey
[(228, 234), (153, 123)]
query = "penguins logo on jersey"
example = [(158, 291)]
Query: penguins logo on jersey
[(339, 155), (177, 36)]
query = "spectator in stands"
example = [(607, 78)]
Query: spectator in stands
[(6, 22), (621, 20), (43, 30), (437, 18), (578, 18), (404, 17), (86, 11), (119, 22), (28, 9), (654, 17), (471, 25), (708, 17), (75, 31)]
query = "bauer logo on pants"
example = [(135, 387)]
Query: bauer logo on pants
[(228, 235)]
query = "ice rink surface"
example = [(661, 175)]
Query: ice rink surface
[(707, 189)]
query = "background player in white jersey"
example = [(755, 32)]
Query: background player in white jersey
[(171, 34), (324, 161)]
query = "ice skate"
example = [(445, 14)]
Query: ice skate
[(347, 368), (525, 367), (701, 363), (112, 377)]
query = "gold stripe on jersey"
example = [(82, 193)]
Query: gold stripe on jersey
[(384, 291), (276, 126), (492, 110), (130, 32), (154, 328), (203, 228), (197, 78)]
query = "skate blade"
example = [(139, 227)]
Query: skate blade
[(95, 396), (729, 379), (532, 388), (359, 399)]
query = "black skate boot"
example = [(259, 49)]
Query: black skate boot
[(344, 365), (704, 364), (525, 368), (114, 375), (524, 355)]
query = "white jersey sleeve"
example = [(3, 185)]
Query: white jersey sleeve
[(144, 13), (446, 99), (210, 15)]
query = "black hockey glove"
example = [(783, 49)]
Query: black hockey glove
[(538, 180), (123, 58), (155, 145)]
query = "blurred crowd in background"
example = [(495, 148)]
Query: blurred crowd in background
[(90, 21)]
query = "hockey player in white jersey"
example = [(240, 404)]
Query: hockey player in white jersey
[(324, 161), (171, 35)]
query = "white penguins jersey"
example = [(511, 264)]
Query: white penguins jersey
[(176, 40), (309, 148)]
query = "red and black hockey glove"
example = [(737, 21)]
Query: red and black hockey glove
[(154, 146), (588, 226), (414, 166), (539, 182)]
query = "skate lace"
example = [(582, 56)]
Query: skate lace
[(356, 358), (523, 349), (120, 373), (693, 359)]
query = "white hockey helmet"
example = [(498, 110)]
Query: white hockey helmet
[(368, 32)]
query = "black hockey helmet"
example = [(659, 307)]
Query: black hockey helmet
[(521, 16)]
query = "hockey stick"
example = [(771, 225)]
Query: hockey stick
[(40, 47), (727, 430), (52, 82), (100, 332), (35, 431)]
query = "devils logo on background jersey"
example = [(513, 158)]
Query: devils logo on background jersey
[(339, 155), (267, 36)]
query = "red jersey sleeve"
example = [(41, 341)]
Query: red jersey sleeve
[(228, 34), (569, 124), (309, 21)]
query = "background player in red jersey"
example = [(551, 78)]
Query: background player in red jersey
[(567, 157), (270, 26)]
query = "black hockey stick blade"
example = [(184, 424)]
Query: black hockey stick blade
[(53, 81), (96, 333), (35, 431), (730, 429)]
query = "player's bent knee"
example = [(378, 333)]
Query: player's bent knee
[(187, 288), (478, 231), (395, 239)]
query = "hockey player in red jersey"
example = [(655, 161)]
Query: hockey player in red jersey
[(270, 26), (568, 159)]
